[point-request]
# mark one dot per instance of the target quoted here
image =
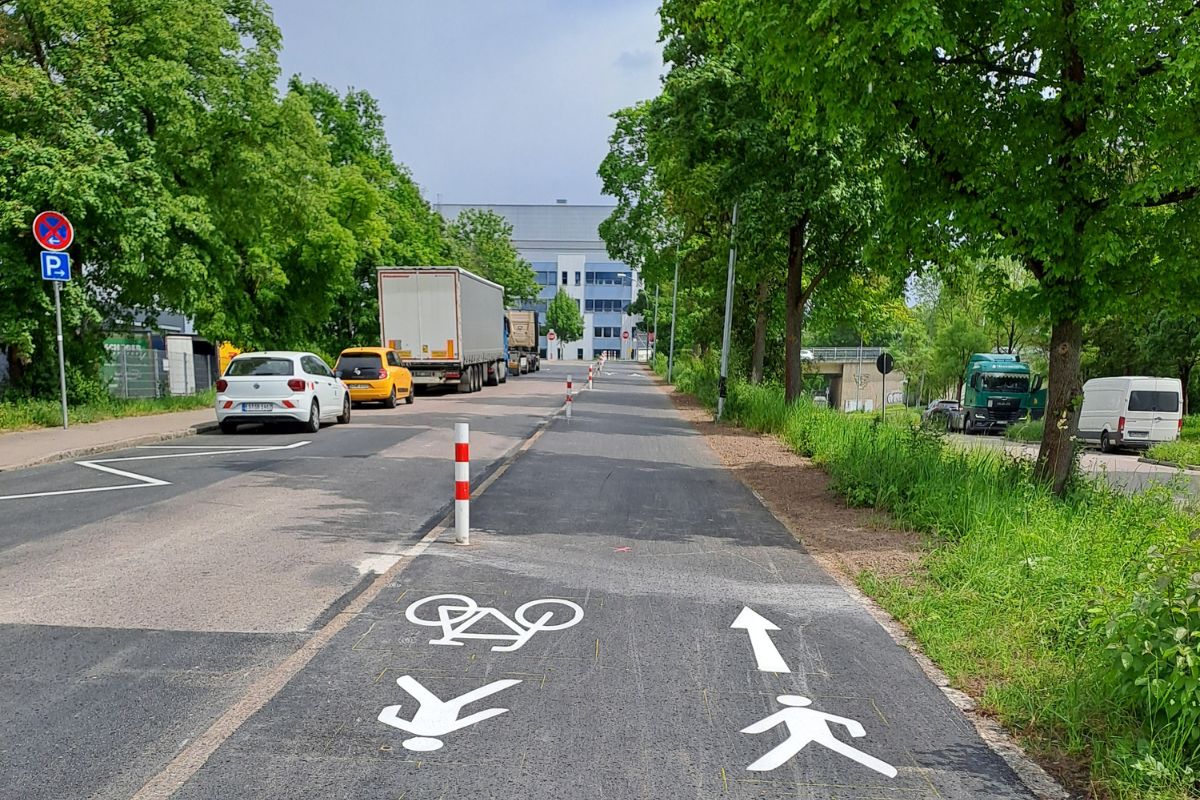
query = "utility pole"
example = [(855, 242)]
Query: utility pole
[(655, 350), (674, 300), (722, 384)]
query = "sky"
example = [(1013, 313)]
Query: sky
[(486, 101)]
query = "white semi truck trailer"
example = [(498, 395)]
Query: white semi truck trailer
[(446, 323)]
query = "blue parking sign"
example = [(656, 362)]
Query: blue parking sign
[(55, 266)]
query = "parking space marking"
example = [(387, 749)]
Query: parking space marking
[(143, 481)]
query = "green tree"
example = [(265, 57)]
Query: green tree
[(1060, 134), (563, 317), (483, 244)]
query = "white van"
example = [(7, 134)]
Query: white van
[(1131, 411)]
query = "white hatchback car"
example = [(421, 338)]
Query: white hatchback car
[(280, 386)]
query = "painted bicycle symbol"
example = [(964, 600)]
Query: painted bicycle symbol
[(457, 614)]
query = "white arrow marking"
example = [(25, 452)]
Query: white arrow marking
[(142, 480), (756, 625)]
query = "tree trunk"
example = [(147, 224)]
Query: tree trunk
[(760, 333), (1056, 457), (1185, 377), (793, 326)]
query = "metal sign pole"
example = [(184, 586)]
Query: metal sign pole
[(62, 364), (674, 301), (655, 319), (722, 383)]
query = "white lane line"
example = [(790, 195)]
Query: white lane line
[(142, 481)]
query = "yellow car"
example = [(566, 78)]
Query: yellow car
[(374, 374)]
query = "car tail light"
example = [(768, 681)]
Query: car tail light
[(1121, 425), (1181, 424), (296, 385), (222, 385), (453, 375), (382, 373)]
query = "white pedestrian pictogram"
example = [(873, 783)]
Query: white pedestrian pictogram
[(457, 614), (807, 725), (435, 717)]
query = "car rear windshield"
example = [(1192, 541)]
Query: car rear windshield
[(363, 362), (1142, 400), (260, 365)]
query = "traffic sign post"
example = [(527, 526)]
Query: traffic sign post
[(884, 364), (54, 232)]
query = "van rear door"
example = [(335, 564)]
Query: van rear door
[(1153, 411)]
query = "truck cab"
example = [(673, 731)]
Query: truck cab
[(998, 390)]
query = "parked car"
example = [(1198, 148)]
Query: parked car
[(807, 355), (374, 374), (280, 386), (1131, 411), (940, 409)]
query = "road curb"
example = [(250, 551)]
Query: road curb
[(1156, 462), (120, 444)]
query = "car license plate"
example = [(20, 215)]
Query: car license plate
[(256, 406), (1139, 433), (423, 373), (359, 385)]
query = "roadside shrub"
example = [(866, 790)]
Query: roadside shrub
[(1154, 645), (1183, 453)]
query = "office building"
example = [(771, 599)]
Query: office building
[(563, 244)]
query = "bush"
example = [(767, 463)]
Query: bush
[(1185, 454)]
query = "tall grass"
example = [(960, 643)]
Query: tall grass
[(23, 414), (1038, 603)]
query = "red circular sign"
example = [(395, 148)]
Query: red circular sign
[(53, 231), (551, 336), (624, 334)]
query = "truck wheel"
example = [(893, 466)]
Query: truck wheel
[(968, 425), (1105, 444), (492, 376), (466, 381)]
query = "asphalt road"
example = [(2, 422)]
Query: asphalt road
[(190, 642)]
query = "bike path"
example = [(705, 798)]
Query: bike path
[(624, 513)]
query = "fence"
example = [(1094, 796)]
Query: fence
[(132, 371)]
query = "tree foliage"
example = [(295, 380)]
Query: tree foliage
[(482, 243), (563, 317), (1062, 135), (197, 187)]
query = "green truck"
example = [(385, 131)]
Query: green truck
[(998, 390)]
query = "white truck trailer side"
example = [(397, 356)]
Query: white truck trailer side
[(446, 323)]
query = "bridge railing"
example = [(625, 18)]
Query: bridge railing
[(846, 354)]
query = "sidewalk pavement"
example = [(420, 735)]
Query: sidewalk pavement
[(28, 448)]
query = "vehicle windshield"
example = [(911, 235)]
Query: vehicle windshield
[(1005, 382), (260, 365), (358, 364), (1141, 400)]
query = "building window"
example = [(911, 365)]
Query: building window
[(607, 306), (608, 278), (564, 279), (578, 275)]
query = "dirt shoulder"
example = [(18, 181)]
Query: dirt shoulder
[(848, 540)]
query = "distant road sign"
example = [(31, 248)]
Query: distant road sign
[(53, 231), (56, 266), (624, 334), (551, 336), (884, 363)]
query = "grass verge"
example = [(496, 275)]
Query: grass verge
[(1026, 431), (1075, 620), (26, 414)]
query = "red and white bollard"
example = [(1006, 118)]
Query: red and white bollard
[(589, 376), (570, 398), (462, 483)]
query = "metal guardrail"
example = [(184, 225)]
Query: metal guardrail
[(846, 354)]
